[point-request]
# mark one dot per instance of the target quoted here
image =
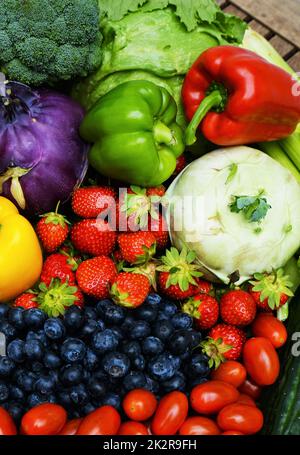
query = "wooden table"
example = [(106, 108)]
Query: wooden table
[(277, 20)]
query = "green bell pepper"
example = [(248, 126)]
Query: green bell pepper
[(135, 135)]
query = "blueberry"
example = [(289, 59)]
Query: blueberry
[(152, 346), (100, 325), (118, 332), (169, 308), (196, 381), (198, 366), (90, 361), (134, 380), (90, 313), (116, 364), (16, 393), (105, 341), (18, 372), (35, 366), (101, 306), (89, 328), (146, 312), (54, 329), (73, 350), (7, 366), (34, 349), (8, 330), (177, 382), (151, 385), (73, 318), (26, 381), (39, 336), (34, 318), (112, 399), (179, 342), (3, 310), (16, 411), (182, 321), (195, 338), (51, 360), (162, 330), (79, 395), (140, 330), (64, 398), (153, 299), (4, 392), (138, 363), (88, 408), (161, 367), (15, 317), (44, 384), (34, 399), (128, 323), (175, 360), (96, 388), (16, 351), (131, 348), (185, 356), (114, 314), (72, 375), (161, 316)]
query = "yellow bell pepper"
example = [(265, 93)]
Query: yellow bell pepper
[(20, 252)]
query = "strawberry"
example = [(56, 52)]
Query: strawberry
[(156, 191), (160, 231), (178, 275), (94, 237), (237, 307), (130, 289), (26, 301), (224, 342), (137, 206), (58, 296), (204, 308), (95, 276), (137, 247), (52, 230), (180, 164), (57, 266), (271, 291), (92, 201), (204, 287)]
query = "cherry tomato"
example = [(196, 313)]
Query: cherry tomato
[(267, 326), (210, 397), (7, 426), (45, 419), (240, 417), (199, 426), (245, 399), (232, 433), (250, 388), (261, 361), (104, 421), (70, 427), (133, 428), (232, 372), (139, 404), (170, 414)]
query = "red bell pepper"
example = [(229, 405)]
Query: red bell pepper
[(237, 98)]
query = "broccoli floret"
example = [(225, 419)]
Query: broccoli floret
[(45, 41)]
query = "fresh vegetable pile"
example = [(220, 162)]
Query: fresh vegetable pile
[(143, 291)]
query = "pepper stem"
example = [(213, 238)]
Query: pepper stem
[(213, 100)]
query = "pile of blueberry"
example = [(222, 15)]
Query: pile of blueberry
[(94, 356)]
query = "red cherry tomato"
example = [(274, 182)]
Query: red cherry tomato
[(245, 399), (139, 404), (199, 426), (267, 326), (249, 387), (240, 417), (70, 427), (261, 361), (104, 421), (170, 414), (133, 428), (232, 433), (210, 397), (232, 372), (7, 426), (45, 419)]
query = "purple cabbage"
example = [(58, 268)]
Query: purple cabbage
[(42, 157)]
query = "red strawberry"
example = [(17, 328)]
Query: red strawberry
[(160, 231), (237, 307), (55, 298), (204, 287), (80, 299), (52, 230), (271, 291), (26, 301), (224, 342), (92, 201), (130, 289), (136, 207), (156, 191), (95, 276), (57, 266), (204, 308), (180, 164), (94, 237), (137, 247), (178, 275)]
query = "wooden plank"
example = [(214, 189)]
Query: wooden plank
[(282, 46), (231, 9), (283, 17), (260, 28), (294, 62)]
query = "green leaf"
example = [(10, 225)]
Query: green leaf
[(233, 168), (254, 208), (117, 9)]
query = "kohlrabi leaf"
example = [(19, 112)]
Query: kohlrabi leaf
[(117, 9), (254, 208)]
